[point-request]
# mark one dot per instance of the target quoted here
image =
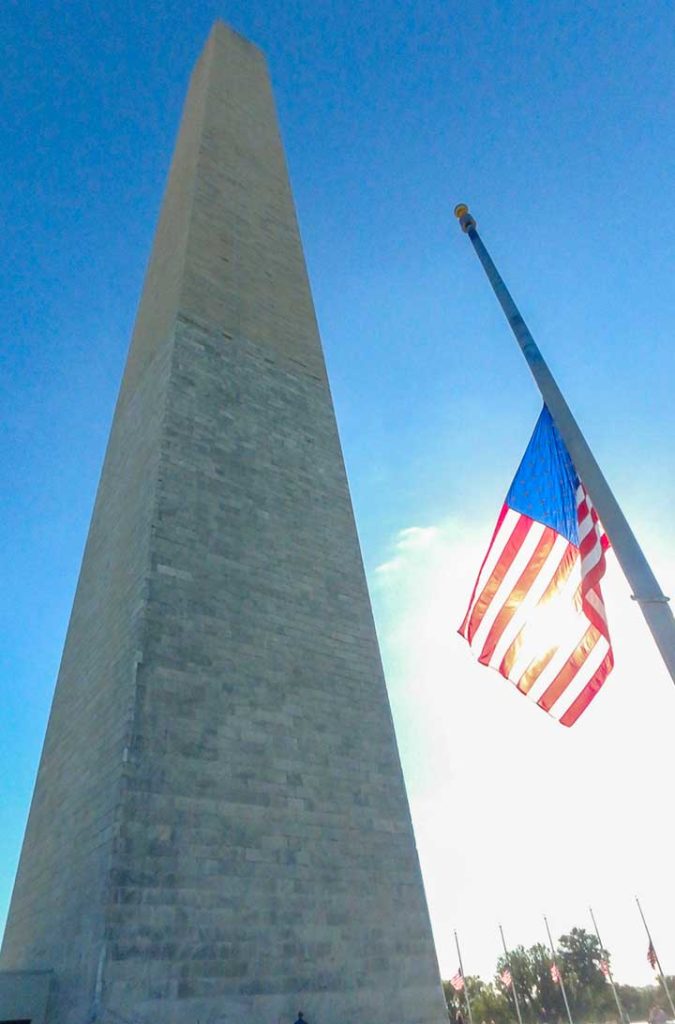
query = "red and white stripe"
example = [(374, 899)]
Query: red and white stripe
[(536, 614), (506, 978), (457, 981)]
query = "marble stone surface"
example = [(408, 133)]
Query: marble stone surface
[(220, 831)]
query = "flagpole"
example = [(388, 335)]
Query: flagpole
[(646, 590), (466, 984), (609, 970), (658, 962), (559, 972), (513, 977)]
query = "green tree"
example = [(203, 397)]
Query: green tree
[(538, 995), (520, 964), (487, 1003), (579, 955), (547, 994), (637, 1001)]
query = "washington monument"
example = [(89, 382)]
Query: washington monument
[(219, 831)]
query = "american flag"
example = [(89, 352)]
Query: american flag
[(604, 967), (536, 614), (506, 978), (457, 981), (651, 956), (555, 974)]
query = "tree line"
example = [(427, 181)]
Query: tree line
[(580, 959)]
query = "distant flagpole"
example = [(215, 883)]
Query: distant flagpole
[(656, 955), (609, 970), (558, 971), (646, 590), (513, 976), (466, 986)]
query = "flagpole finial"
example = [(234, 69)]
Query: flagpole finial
[(465, 219)]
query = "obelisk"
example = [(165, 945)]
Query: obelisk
[(219, 830)]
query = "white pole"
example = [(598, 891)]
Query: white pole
[(466, 986), (658, 962), (559, 972), (513, 977), (609, 970), (646, 590)]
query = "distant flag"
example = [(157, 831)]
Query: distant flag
[(604, 967), (507, 977), (555, 973), (536, 614), (654, 961), (457, 981)]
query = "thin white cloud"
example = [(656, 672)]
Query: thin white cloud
[(412, 539)]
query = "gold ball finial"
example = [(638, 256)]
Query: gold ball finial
[(466, 221)]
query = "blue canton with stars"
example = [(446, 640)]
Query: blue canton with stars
[(544, 488)]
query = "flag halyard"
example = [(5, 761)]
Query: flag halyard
[(536, 614)]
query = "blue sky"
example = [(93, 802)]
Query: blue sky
[(556, 122)]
